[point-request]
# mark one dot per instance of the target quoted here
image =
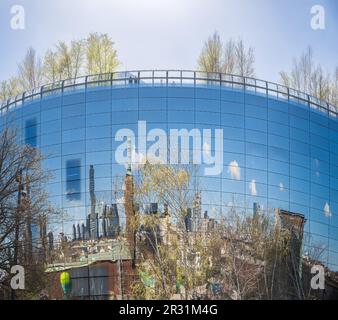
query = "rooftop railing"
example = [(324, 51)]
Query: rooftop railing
[(172, 78)]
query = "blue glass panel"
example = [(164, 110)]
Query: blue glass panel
[(73, 179)]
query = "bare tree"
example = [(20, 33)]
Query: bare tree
[(300, 76), (320, 84), (232, 57), (70, 59), (245, 60), (23, 204), (310, 78), (30, 71), (334, 88), (229, 63), (210, 59), (236, 249), (256, 257), (77, 56)]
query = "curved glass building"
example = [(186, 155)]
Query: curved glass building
[(275, 147)]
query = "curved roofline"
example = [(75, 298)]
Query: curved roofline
[(169, 78)]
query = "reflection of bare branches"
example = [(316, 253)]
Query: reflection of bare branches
[(23, 205), (172, 184)]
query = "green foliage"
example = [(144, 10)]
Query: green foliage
[(9, 88), (100, 53)]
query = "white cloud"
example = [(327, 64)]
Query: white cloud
[(281, 186), (327, 210), (253, 188), (234, 170)]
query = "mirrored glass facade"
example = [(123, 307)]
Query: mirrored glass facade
[(277, 152)]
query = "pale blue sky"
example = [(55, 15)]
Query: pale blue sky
[(161, 34)]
